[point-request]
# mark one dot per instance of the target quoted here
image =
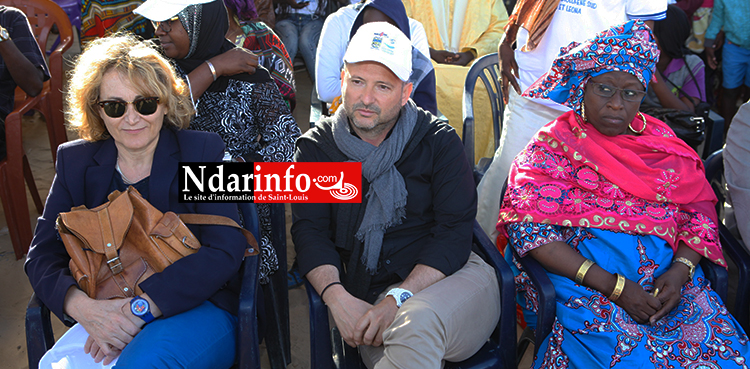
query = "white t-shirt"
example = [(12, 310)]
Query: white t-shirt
[(578, 20), (308, 10), (334, 38)]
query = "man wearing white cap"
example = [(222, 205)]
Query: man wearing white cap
[(396, 271)]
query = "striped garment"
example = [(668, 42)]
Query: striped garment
[(102, 17)]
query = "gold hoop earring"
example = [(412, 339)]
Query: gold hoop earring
[(642, 129), (583, 113)]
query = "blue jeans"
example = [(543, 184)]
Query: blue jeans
[(301, 32), (203, 337)]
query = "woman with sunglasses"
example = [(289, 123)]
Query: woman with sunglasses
[(616, 208), (246, 110), (130, 109)]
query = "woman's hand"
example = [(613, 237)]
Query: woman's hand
[(235, 61), (638, 303), (508, 69), (670, 285), (106, 322)]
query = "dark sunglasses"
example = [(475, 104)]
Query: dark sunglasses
[(608, 91), (165, 25), (143, 105)]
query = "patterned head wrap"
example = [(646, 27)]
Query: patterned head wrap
[(629, 47)]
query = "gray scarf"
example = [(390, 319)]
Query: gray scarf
[(386, 204)]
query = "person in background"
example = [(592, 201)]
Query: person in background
[(103, 17), (617, 210), (246, 110), (396, 271), (340, 26), (131, 108), (679, 71), (458, 32), (538, 29), (737, 170), (299, 24), (22, 63), (257, 37), (462, 32), (730, 16), (266, 12)]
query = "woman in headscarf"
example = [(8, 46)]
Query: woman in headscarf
[(680, 83), (245, 30), (617, 210), (246, 110)]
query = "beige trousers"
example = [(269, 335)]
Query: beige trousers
[(450, 320)]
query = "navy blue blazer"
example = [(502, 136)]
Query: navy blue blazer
[(84, 173)]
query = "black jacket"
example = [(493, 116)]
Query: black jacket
[(440, 210)]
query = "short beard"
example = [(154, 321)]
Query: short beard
[(374, 108)]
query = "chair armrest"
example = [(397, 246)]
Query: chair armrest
[(320, 336), (714, 134), (248, 351), (505, 333), (545, 316), (718, 276), (39, 335)]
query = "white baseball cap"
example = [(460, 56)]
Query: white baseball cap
[(161, 10), (381, 42)]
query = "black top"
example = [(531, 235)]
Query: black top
[(20, 33), (440, 208)]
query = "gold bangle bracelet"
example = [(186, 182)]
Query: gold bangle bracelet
[(618, 288), (582, 270), (688, 263)]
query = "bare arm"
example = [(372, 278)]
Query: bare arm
[(345, 308), (670, 283), (26, 75), (667, 99), (559, 258), (234, 61), (507, 62)]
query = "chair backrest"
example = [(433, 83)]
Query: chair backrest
[(485, 69), (731, 246)]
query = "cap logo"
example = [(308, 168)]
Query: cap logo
[(387, 47)]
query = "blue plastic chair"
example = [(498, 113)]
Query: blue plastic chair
[(485, 69), (328, 350), (731, 246), (545, 316), (276, 296), (40, 338)]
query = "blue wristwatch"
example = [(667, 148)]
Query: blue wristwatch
[(140, 308)]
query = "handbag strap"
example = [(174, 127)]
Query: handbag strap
[(209, 219), (683, 92)]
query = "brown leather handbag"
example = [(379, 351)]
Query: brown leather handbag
[(120, 243)]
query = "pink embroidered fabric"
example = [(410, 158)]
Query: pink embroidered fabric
[(651, 184)]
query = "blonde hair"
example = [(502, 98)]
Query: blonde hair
[(137, 61)]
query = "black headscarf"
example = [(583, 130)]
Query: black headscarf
[(672, 32), (206, 26)]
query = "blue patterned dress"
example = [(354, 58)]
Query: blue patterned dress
[(592, 332)]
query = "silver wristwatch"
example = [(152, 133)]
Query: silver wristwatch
[(400, 294)]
